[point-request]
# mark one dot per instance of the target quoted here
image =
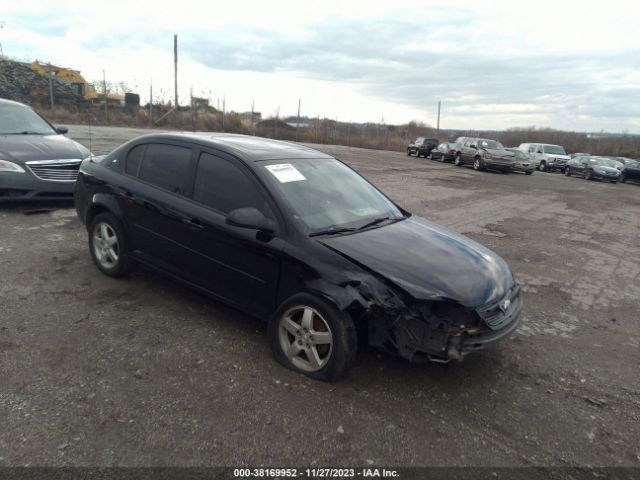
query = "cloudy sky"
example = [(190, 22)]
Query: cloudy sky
[(494, 65)]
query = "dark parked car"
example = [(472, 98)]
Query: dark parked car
[(484, 154), (37, 162), (522, 162), (294, 236), (422, 146), (631, 170), (591, 168), (445, 152)]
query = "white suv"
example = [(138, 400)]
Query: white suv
[(545, 156)]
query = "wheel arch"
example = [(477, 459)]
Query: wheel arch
[(101, 203)]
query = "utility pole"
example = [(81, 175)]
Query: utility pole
[(224, 109), (2, 24), (104, 93), (151, 102), (253, 125), (50, 87), (298, 121), (175, 68), (193, 118), (438, 124)]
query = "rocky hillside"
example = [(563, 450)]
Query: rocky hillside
[(18, 82)]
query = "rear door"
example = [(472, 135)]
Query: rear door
[(152, 202)]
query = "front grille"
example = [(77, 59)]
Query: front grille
[(55, 170), (498, 314)]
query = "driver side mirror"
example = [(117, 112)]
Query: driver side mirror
[(62, 130), (250, 218)]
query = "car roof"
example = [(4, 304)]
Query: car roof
[(247, 147)]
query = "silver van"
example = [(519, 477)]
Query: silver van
[(545, 156)]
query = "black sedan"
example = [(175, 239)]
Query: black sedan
[(592, 168), (631, 170), (37, 162), (445, 152), (422, 146), (297, 238)]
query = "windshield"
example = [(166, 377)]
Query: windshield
[(17, 119), (326, 194), (489, 144), (554, 149)]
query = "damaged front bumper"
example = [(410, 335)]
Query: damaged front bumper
[(419, 336)]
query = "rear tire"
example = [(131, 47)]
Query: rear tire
[(528, 173), (309, 335), (457, 162), (477, 165), (587, 175), (408, 152), (623, 178), (567, 172), (109, 246), (542, 166)]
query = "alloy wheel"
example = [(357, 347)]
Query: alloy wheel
[(105, 245), (305, 338)]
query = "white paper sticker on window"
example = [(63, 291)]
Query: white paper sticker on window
[(285, 172)]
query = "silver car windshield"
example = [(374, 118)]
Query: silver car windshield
[(16, 120), (326, 194), (554, 149)]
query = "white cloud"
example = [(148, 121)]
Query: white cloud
[(494, 64)]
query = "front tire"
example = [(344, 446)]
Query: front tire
[(311, 336), (477, 164), (542, 166), (408, 152), (623, 178), (567, 172), (457, 162), (587, 175), (109, 246)]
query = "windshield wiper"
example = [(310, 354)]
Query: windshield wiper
[(375, 221), (332, 231)]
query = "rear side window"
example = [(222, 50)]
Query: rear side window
[(223, 186), (165, 166), (134, 159)]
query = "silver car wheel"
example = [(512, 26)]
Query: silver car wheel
[(105, 245), (305, 338)]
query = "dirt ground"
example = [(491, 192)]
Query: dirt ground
[(142, 371)]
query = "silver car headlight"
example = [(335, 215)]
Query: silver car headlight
[(7, 166), (487, 156)]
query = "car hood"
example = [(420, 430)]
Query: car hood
[(428, 261), (559, 157), (23, 148)]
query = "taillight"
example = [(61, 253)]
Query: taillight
[(452, 150)]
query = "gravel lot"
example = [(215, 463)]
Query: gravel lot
[(142, 371)]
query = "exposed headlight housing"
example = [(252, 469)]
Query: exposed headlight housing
[(7, 166), (486, 155)]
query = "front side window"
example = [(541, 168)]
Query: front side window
[(223, 186), (165, 166), (325, 193)]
